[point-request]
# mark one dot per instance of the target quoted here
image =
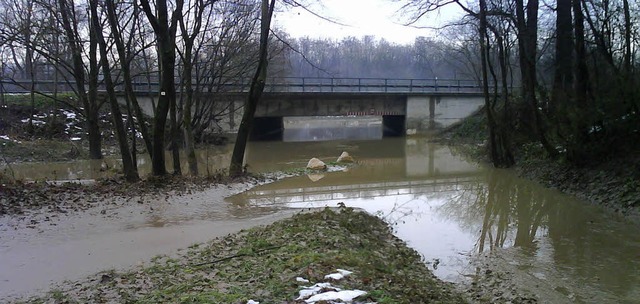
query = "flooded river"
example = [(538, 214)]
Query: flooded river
[(448, 209)]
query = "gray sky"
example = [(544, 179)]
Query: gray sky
[(379, 18)]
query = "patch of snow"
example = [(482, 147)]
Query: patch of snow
[(6, 137), (339, 275), (315, 289), (252, 302), (344, 295), (35, 122), (75, 138), (68, 114), (595, 129), (302, 280), (326, 293)]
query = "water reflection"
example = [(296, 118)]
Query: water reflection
[(210, 161), (303, 129), (450, 210)]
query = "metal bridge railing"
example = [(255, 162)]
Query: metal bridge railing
[(281, 85), (371, 85)]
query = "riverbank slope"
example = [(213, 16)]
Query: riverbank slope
[(613, 182)]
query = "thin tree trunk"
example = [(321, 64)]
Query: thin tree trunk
[(166, 39), (485, 79), (129, 168), (126, 72), (255, 92), (628, 28), (175, 137), (563, 75), (527, 46), (91, 110)]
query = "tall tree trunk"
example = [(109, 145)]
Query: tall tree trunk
[(503, 126), (188, 86), (129, 168), (628, 28), (255, 92), (92, 107), (563, 75), (527, 46), (175, 137), (165, 31), (498, 146), (580, 72), (132, 100), (87, 99)]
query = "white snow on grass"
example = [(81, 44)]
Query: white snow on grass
[(75, 138), (327, 293), (252, 302), (338, 275), (68, 114), (7, 138), (34, 121), (307, 292), (344, 295), (302, 280)]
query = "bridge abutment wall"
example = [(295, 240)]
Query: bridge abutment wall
[(428, 113)]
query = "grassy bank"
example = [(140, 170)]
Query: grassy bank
[(262, 264)]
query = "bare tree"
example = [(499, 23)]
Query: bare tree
[(129, 167), (164, 27), (255, 92), (88, 99), (188, 39)]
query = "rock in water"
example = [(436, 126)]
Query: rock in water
[(316, 164), (345, 158)]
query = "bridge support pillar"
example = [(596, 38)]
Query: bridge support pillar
[(421, 113)]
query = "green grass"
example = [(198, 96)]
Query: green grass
[(41, 102), (262, 264)]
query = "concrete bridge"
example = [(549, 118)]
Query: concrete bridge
[(406, 106)]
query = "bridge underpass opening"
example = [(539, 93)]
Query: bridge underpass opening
[(323, 128), (267, 128), (393, 125)]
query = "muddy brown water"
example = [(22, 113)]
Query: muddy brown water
[(450, 210)]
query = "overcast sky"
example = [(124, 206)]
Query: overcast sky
[(380, 18)]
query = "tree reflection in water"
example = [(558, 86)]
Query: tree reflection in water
[(511, 209), (592, 252)]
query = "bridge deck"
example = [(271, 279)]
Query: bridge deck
[(282, 85)]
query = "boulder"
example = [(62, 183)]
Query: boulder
[(316, 164), (345, 158)]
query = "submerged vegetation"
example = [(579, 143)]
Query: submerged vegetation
[(263, 264)]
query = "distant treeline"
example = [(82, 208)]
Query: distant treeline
[(369, 57)]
